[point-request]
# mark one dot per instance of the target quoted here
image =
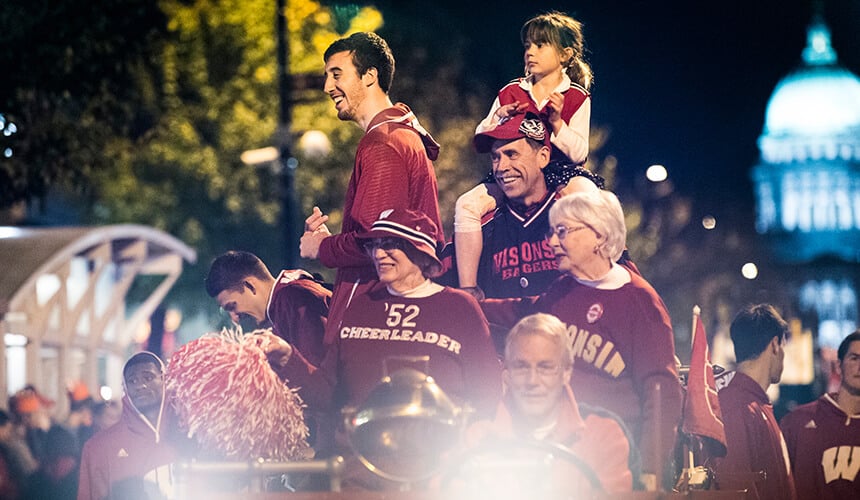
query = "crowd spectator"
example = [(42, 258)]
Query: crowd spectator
[(16, 462), (57, 475), (80, 418), (823, 437), (756, 457), (33, 410), (105, 414)]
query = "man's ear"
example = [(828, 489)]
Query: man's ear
[(370, 77), (774, 345), (543, 156)]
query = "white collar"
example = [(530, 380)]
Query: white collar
[(527, 84), (615, 278), (425, 289)]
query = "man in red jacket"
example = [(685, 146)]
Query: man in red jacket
[(393, 164), (294, 302), (823, 436), (756, 455), (132, 458), (539, 406)]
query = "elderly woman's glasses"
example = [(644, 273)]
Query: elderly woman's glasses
[(563, 231), (384, 244)]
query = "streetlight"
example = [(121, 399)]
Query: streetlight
[(315, 144), (291, 224)]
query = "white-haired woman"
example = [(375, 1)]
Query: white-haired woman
[(619, 327)]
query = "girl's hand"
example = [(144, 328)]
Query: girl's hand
[(554, 106), (509, 110)]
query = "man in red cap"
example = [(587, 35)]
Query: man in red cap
[(80, 418), (33, 409), (516, 260)]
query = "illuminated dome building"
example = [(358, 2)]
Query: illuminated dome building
[(808, 186)]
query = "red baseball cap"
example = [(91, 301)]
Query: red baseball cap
[(523, 125)]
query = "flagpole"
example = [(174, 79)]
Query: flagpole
[(702, 425), (697, 311)]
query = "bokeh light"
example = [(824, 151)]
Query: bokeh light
[(749, 271), (657, 173)]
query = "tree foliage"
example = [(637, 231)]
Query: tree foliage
[(145, 109), (142, 111), (214, 95), (66, 85)]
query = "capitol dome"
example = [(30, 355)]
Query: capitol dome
[(814, 112)]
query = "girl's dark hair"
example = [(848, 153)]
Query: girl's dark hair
[(561, 31)]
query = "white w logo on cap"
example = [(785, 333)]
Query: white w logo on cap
[(533, 128)]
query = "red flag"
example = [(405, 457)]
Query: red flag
[(702, 416)]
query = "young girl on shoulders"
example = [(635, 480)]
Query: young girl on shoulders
[(555, 87)]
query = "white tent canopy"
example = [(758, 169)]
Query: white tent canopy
[(63, 308)]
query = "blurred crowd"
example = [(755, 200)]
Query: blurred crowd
[(40, 453)]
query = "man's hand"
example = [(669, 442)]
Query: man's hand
[(278, 351), (316, 221), (309, 246), (315, 232)]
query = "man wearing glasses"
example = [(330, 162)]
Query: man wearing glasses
[(539, 405)]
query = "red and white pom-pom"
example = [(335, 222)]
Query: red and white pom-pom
[(229, 399)]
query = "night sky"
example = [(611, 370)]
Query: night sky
[(681, 83)]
